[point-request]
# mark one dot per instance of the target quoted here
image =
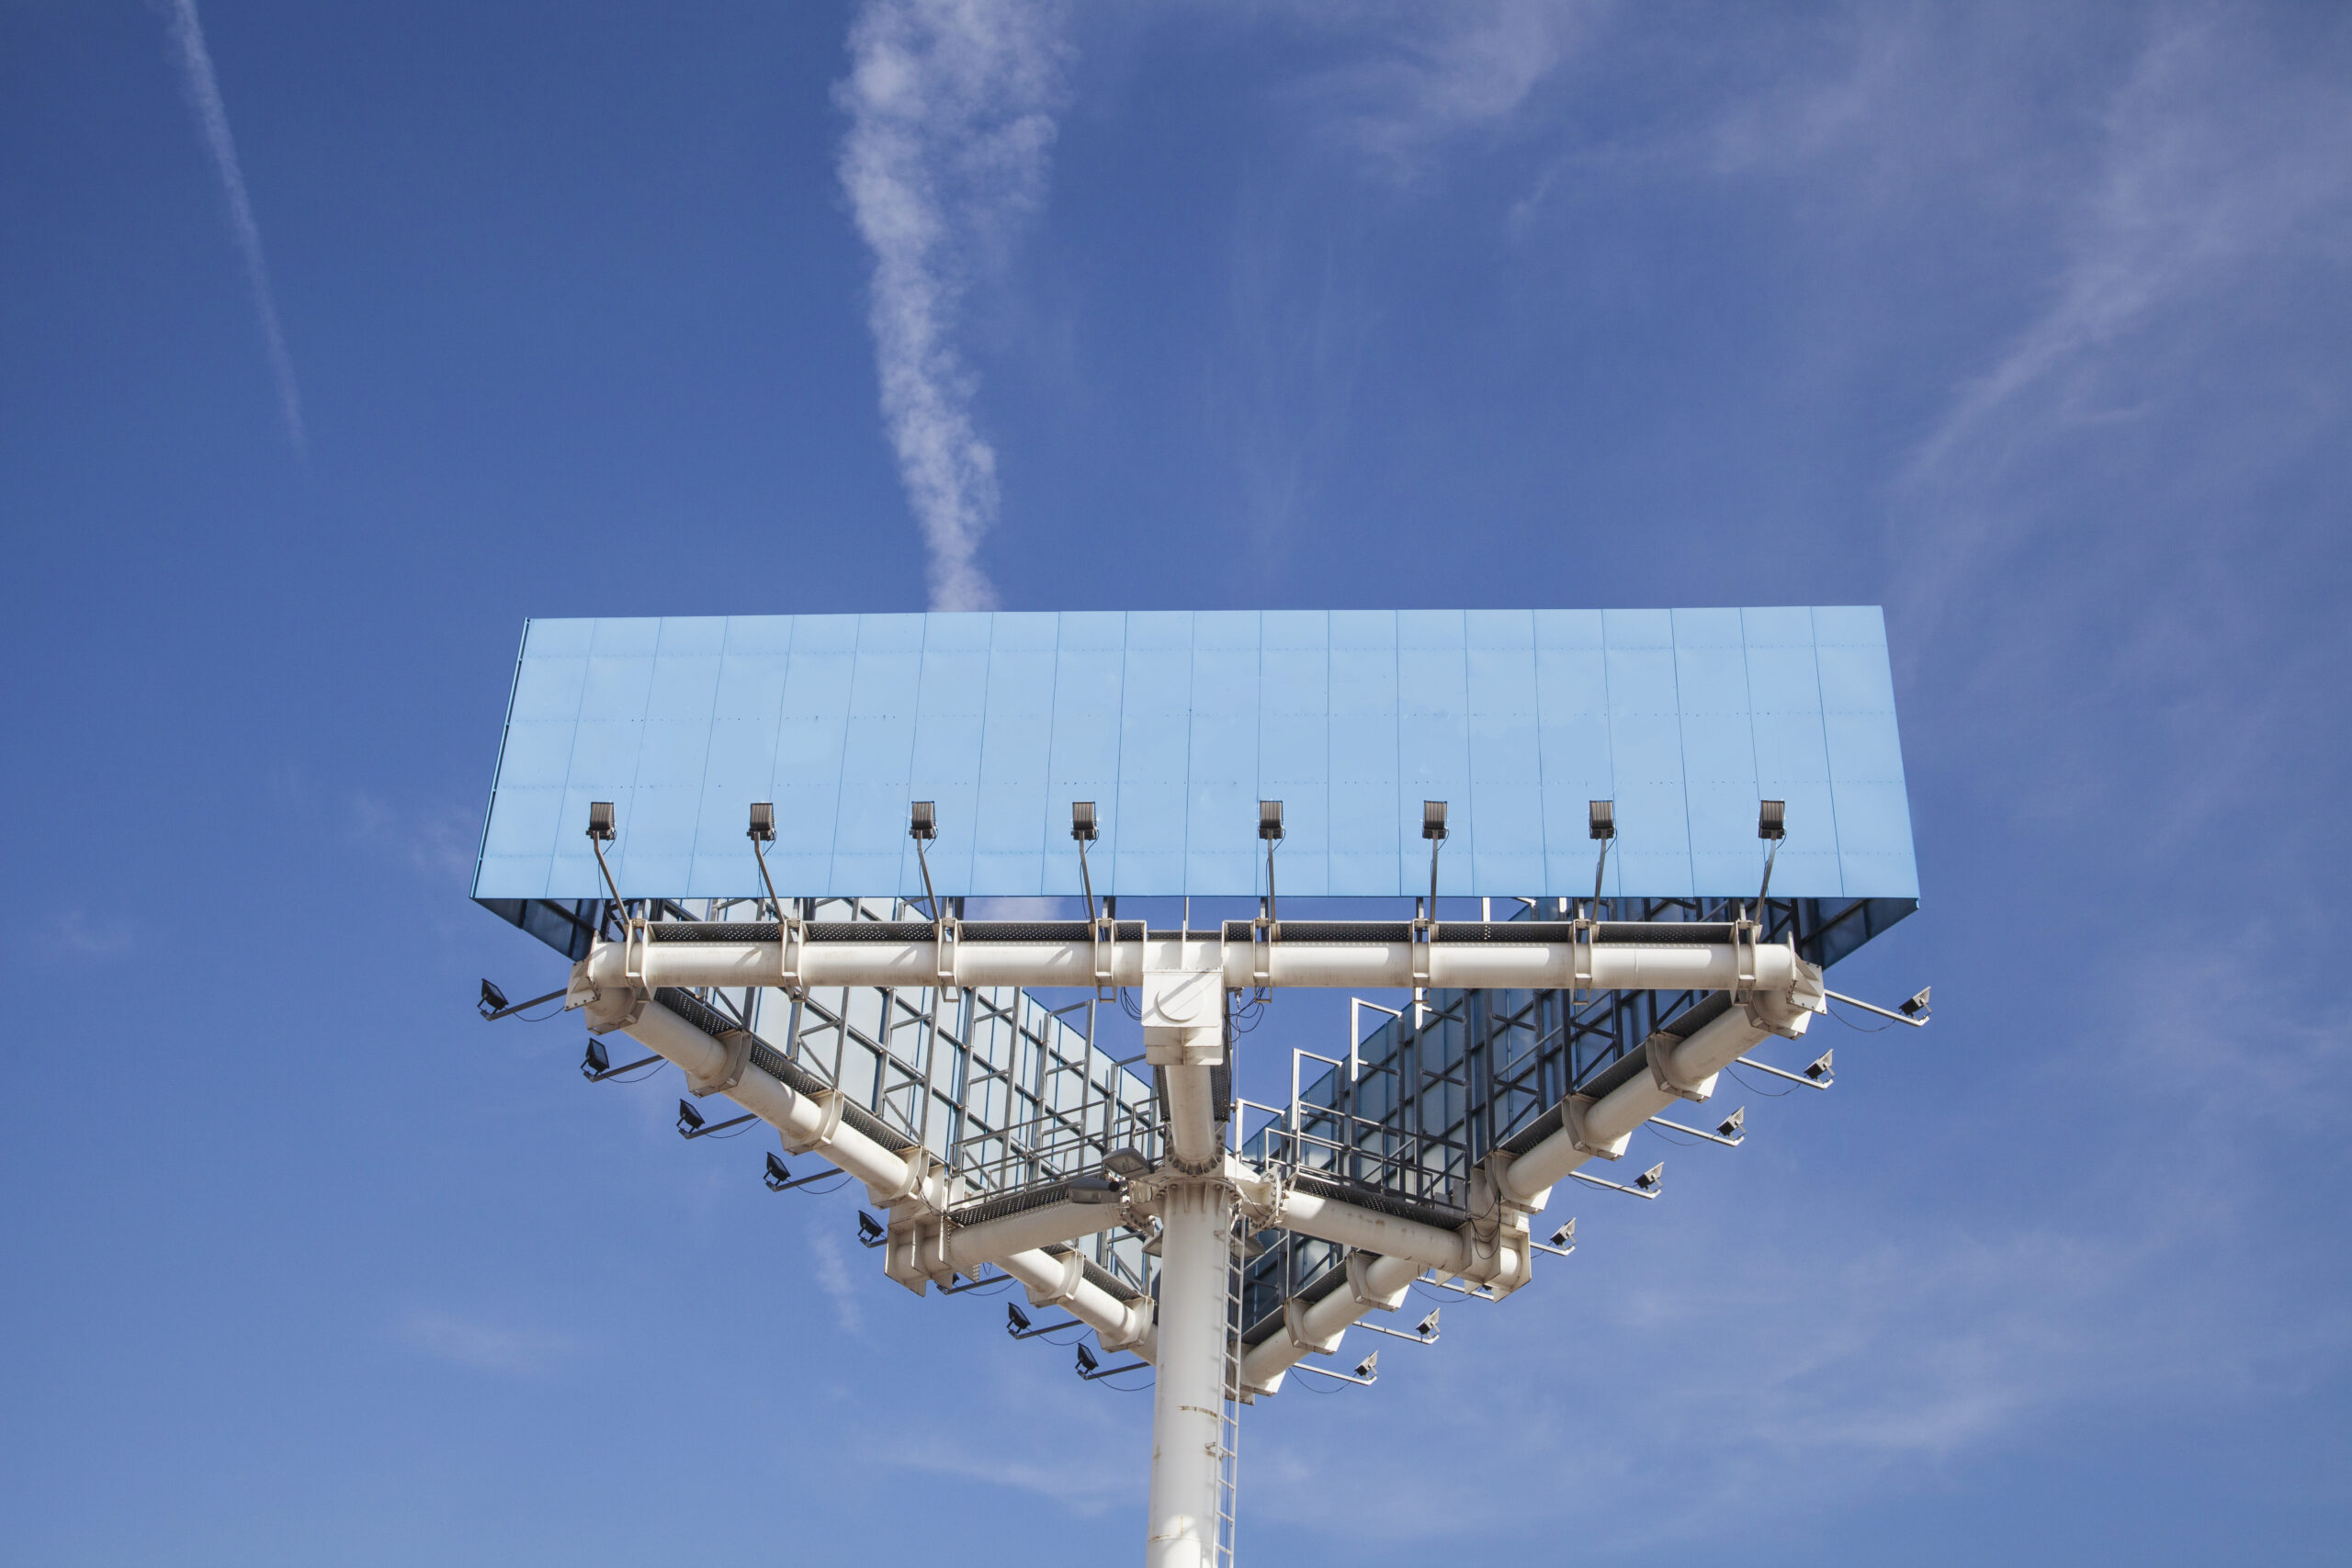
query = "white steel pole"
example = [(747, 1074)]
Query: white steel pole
[(1188, 1401)]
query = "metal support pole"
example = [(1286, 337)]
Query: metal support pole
[(1187, 1407)]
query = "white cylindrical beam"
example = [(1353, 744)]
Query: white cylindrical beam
[(1366, 1230), (1193, 1119), (991, 1241), (1622, 966), (1120, 1326), (1325, 1321), (799, 1119), (1525, 1180), (1712, 1048), (1188, 1399)]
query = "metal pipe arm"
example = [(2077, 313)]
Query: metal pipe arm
[(1705, 963)]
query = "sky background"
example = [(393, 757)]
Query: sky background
[(336, 341)]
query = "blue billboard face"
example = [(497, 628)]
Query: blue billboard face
[(1176, 724)]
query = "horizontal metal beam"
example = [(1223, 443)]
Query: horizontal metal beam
[(1714, 958)]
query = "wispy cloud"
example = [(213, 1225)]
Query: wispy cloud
[(951, 106), (1418, 75), (1086, 1481), (202, 86), (2201, 177), (832, 1278), (488, 1347), (76, 932), (438, 842)]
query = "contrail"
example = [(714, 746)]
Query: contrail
[(951, 106), (203, 88)]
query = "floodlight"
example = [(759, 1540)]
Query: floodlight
[(1911, 1008), (1270, 819), (923, 821), (1601, 819), (1822, 1068), (1649, 1180), (689, 1119), (870, 1230), (1369, 1367), (600, 833), (1729, 1126), (1427, 1328), (1093, 1189), (779, 1174), (1565, 1236), (595, 1063), (1125, 1162), (1081, 822), (1017, 1322), (1086, 1362), (1772, 819), (493, 1000), (1432, 820), (762, 821)]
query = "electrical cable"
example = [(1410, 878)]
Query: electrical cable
[(1757, 1089), (823, 1191), (1124, 1388)]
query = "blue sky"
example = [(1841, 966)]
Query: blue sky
[(331, 352)]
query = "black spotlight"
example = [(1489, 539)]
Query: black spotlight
[(870, 1231), (779, 1175), (689, 1119), (1017, 1322), (493, 1000), (595, 1062)]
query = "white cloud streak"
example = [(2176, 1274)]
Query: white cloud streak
[(951, 106), (832, 1278), (202, 86), (2199, 181), (487, 1347), (1421, 75)]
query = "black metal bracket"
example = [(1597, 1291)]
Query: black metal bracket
[(494, 1006), (779, 1177), (691, 1124)]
